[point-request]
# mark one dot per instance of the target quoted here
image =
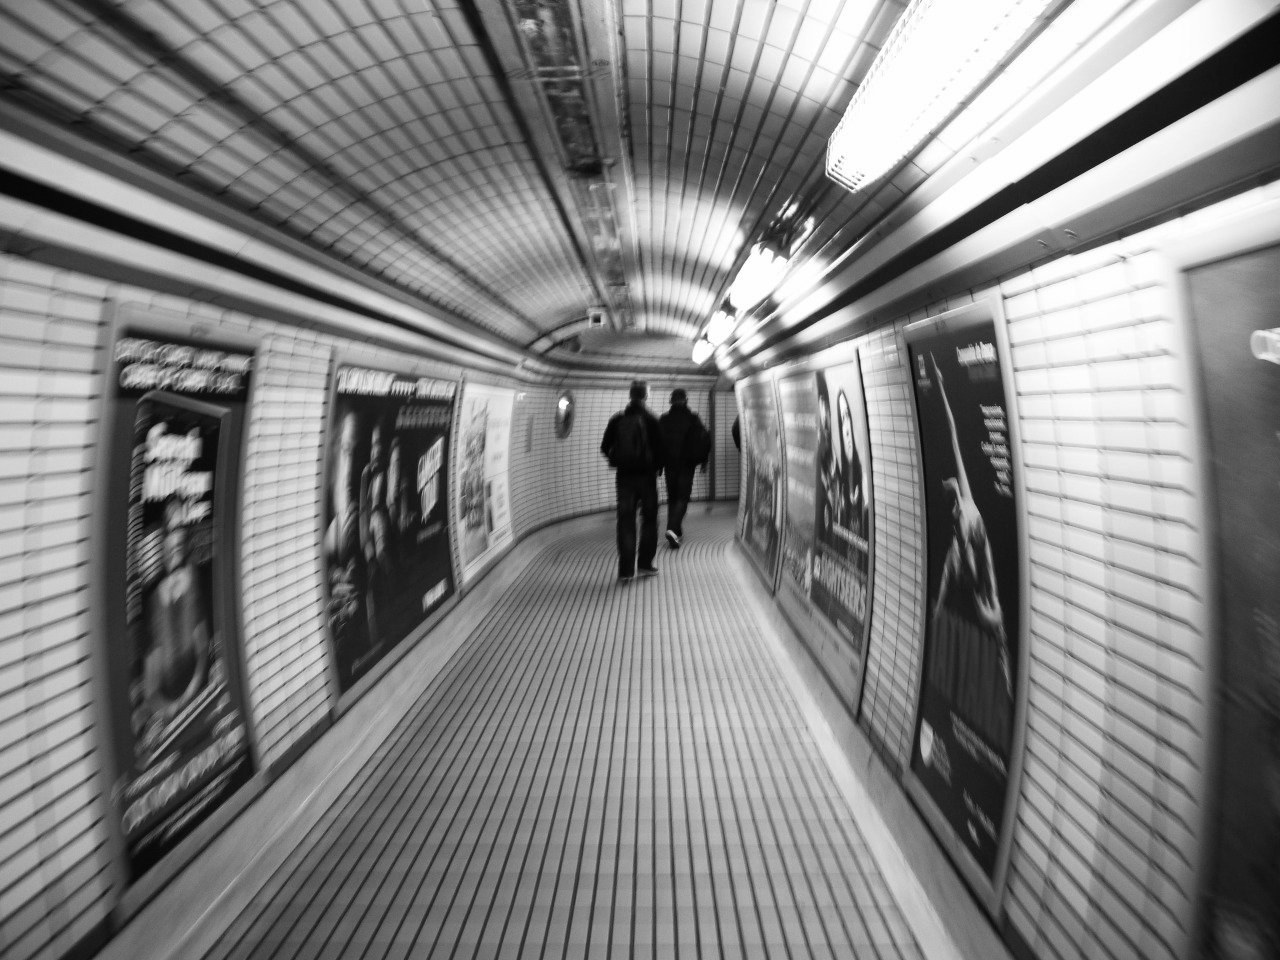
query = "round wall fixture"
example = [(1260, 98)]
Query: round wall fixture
[(564, 413)]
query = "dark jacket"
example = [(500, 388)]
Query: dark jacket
[(676, 424), (656, 446)]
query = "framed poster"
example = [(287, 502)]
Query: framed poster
[(760, 505), (384, 525), (1230, 285), (825, 579), (483, 503), (178, 731), (967, 745)]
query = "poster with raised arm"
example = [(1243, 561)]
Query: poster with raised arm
[(173, 663), (760, 503), (483, 487), (964, 739), (385, 523)]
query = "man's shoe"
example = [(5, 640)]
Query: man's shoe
[(648, 571), (626, 577), (673, 539)]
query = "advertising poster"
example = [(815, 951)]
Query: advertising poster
[(386, 532), (1235, 305), (761, 504), (179, 734), (842, 520), (484, 507), (964, 735), (798, 407)]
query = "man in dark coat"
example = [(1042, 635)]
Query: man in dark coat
[(682, 430), (635, 449)]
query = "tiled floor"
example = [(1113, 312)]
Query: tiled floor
[(601, 771)]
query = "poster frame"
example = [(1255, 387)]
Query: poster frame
[(340, 702), (1247, 232), (832, 356), (145, 320), (767, 577), (478, 573), (988, 890)]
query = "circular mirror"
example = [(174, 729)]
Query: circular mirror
[(564, 413)]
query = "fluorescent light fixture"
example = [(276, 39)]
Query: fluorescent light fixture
[(937, 54), (759, 276), (702, 349), (721, 325)]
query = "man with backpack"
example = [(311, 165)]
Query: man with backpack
[(635, 449), (688, 447)]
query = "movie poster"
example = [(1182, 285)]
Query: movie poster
[(761, 504), (964, 737), (173, 658), (484, 507), (798, 408), (386, 532), (841, 589), (1235, 306)]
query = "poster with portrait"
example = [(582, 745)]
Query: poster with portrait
[(386, 552), (1235, 318), (841, 589), (483, 487), (180, 740), (964, 738), (760, 505)]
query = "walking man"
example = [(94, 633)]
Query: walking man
[(635, 449), (688, 447)]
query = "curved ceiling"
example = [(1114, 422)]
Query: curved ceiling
[(512, 163)]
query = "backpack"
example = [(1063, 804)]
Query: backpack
[(630, 452), (697, 444)]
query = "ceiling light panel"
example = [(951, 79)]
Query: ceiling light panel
[(377, 135)]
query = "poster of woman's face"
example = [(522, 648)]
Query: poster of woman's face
[(842, 528)]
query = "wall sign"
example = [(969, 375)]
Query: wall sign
[(385, 539), (964, 746), (760, 505), (483, 484), (178, 730)]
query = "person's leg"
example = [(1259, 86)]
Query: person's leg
[(648, 496), (675, 512), (627, 502), (679, 490)]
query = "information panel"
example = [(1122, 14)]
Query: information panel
[(484, 505), (385, 523), (1236, 319), (963, 746), (760, 507), (180, 741)]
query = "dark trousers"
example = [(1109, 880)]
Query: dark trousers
[(637, 491), (679, 490)]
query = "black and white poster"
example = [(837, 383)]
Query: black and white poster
[(798, 408), (841, 588), (385, 523), (173, 658), (964, 740), (760, 506), (1235, 306)]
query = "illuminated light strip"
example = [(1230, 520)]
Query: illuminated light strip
[(937, 54)]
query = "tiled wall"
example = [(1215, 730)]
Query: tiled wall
[(1110, 817), (563, 477), (55, 862)]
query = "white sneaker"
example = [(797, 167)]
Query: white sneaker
[(673, 539)]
